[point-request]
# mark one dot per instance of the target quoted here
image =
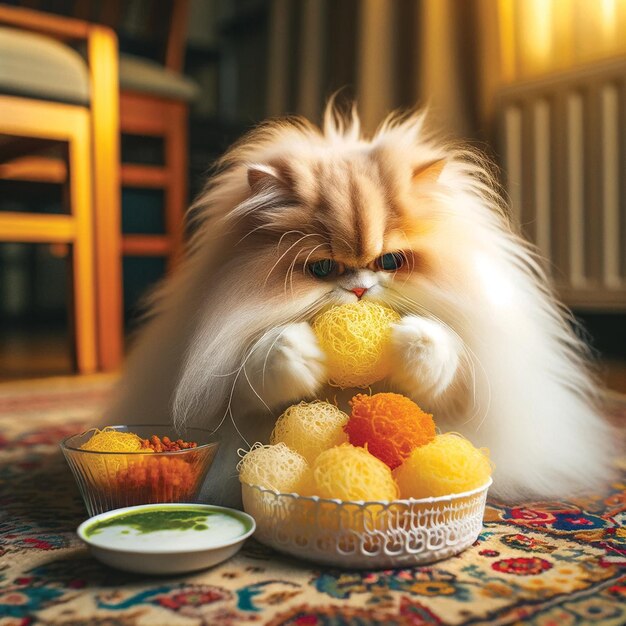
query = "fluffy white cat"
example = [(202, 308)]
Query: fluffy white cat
[(297, 219)]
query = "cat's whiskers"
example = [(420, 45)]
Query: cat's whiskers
[(288, 232), (308, 256), (291, 268), (282, 256), (308, 311), (304, 316), (470, 356), (280, 241), (301, 316), (472, 359), (267, 354), (411, 255), (251, 232), (236, 374), (229, 411)]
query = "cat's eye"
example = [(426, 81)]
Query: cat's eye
[(322, 268), (390, 262)]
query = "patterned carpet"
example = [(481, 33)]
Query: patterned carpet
[(550, 563)]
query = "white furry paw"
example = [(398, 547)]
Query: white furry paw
[(426, 356), (287, 364)]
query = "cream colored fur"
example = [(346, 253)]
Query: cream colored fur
[(482, 342)]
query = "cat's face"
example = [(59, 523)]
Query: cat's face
[(352, 227)]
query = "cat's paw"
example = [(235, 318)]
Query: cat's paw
[(426, 356), (287, 364)]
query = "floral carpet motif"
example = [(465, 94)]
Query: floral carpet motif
[(545, 563)]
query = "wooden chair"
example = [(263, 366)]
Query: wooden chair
[(59, 98), (154, 102)]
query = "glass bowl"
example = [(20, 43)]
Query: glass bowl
[(112, 480)]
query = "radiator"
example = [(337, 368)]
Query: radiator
[(562, 140)]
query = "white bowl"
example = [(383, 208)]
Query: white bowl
[(162, 556), (369, 535)]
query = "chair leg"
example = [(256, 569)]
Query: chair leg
[(176, 157), (107, 199), (83, 254)]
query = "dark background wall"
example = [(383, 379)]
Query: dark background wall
[(232, 54)]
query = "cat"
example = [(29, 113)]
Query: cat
[(297, 219)]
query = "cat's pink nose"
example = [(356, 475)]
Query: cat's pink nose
[(359, 291)]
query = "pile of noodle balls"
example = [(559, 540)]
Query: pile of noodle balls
[(387, 448)]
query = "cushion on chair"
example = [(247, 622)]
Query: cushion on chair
[(41, 67), (137, 74)]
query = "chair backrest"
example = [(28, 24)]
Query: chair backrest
[(156, 29)]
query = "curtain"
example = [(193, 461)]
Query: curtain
[(385, 55), (540, 37)]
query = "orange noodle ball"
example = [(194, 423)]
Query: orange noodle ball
[(355, 338), (274, 467), (346, 472), (310, 428), (448, 464), (390, 425)]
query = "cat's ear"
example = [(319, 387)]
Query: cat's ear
[(429, 172), (268, 176)]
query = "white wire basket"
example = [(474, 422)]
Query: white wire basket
[(367, 535)]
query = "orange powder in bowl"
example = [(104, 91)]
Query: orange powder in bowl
[(140, 471)]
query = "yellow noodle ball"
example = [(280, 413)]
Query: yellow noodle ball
[(109, 440), (448, 464), (101, 467), (274, 467), (309, 428), (347, 472), (355, 338)]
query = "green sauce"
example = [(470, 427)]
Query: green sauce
[(153, 520)]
